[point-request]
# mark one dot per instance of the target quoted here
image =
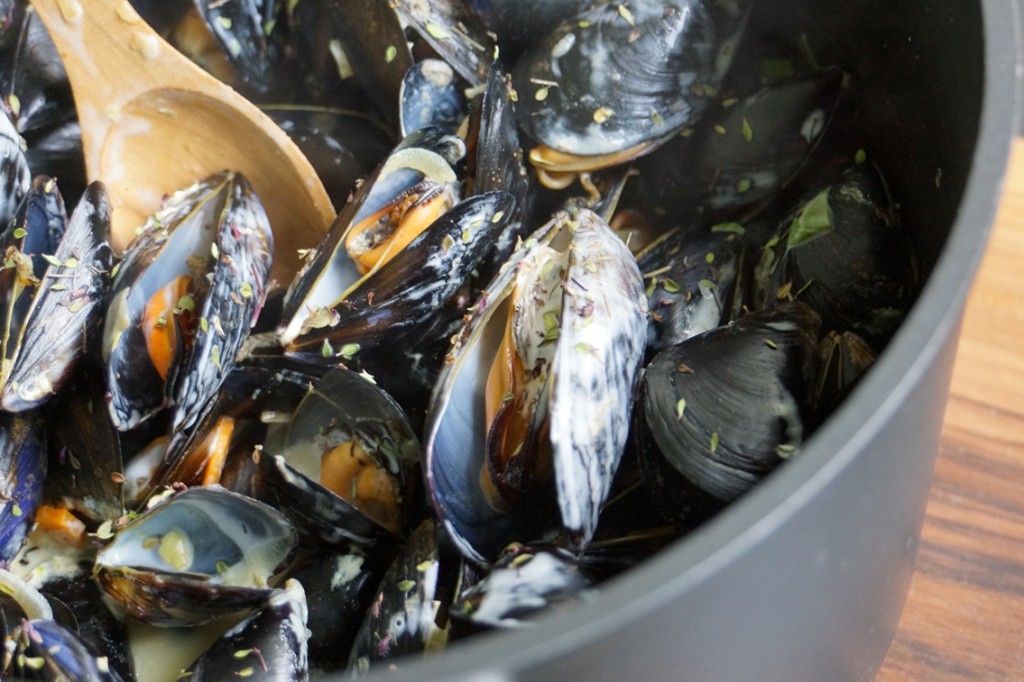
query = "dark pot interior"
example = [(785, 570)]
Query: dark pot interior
[(805, 577)]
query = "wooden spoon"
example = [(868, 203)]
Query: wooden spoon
[(153, 123)]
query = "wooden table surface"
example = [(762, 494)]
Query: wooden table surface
[(964, 619)]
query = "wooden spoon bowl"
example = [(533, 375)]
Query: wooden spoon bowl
[(153, 123)]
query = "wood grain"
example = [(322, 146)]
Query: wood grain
[(964, 619)]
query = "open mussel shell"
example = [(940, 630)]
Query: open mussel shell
[(418, 174), (690, 279), (55, 276), (844, 252), (270, 645), (184, 299), (22, 473), (203, 553), (404, 296), (618, 76), (46, 650), (342, 471), (525, 582), (569, 307), (722, 410), (409, 614)]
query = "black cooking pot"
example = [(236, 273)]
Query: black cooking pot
[(806, 576)]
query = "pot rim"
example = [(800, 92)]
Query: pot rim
[(934, 317)]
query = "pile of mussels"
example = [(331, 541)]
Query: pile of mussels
[(598, 269)]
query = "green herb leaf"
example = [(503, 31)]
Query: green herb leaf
[(814, 220)]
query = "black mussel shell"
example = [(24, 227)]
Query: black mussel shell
[(525, 582), (46, 650), (33, 83), (618, 76), (517, 23), (744, 151), (845, 253), (722, 410), (54, 281), (339, 589), (85, 451), (691, 282), (239, 28), (270, 645), (453, 31), (82, 603), (409, 614), (372, 38), (343, 421), (201, 263), (202, 554), (495, 160), (22, 473)]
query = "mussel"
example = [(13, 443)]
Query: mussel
[(844, 252), (201, 554), (52, 286), (723, 409), (270, 645), (617, 80), (22, 473), (342, 467), (397, 253), (183, 299), (537, 389)]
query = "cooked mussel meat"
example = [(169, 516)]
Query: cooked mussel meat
[(536, 392)]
